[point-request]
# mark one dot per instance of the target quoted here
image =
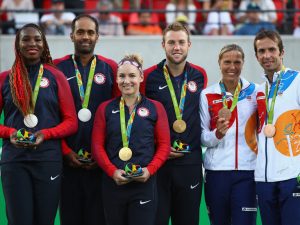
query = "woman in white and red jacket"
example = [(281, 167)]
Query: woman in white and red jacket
[(227, 112)]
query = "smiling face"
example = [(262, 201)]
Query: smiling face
[(176, 45), (31, 45), (84, 36), (231, 64), (269, 56), (129, 79)]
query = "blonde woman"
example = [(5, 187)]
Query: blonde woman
[(130, 142)]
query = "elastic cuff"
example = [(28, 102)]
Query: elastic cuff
[(12, 130), (111, 172), (151, 170), (66, 151), (45, 133)]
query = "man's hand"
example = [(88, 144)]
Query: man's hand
[(174, 154), (72, 159), (90, 166)]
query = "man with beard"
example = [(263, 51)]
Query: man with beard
[(277, 172), (177, 84), (92, 81)]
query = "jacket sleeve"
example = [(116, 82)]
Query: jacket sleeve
[(69, 123), (65, 148), (5, 131), (98, 141), (115, 92), (162, 138), (208, 136)]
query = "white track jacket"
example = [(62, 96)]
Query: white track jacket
[(237, 149), (279, 157)]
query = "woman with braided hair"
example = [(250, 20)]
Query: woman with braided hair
[(38, 111)]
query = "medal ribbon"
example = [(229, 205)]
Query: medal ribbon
[(126, 131), (85, 96), (178, 109), (37, 86), (270, 110), (235, 96)]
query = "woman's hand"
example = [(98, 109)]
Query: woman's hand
[(13, 139), (39, 138), (119, 178), (222, 127), (144, 177)]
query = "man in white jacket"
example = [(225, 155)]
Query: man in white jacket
[(278, 160)]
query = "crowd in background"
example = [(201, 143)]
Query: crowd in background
[(149, 17)]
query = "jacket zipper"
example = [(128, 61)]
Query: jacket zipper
[(266, 155), (236, 140)]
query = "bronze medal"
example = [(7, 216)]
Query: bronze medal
[(125, 154), (225, 113), (179, 126), (269, 130)]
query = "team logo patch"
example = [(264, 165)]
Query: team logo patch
[(44, 82), (217, 101), (99, 78), (261, 97), (192, 86), (143, 112)]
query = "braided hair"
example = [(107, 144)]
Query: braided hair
[(20, 86)]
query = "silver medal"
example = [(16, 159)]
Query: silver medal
[(30, 120), (84, 114)]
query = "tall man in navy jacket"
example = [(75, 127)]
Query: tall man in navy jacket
[(92, 81), (177, 84)]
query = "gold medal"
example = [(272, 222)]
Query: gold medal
[(225, 113), (125, 154), (179, 126), (269, 130)]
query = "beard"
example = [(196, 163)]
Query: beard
[(84, 50), (170, 59)]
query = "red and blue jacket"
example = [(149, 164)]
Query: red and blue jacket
[(149, 138), (54, 109), (155, 87), (103, 88)]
